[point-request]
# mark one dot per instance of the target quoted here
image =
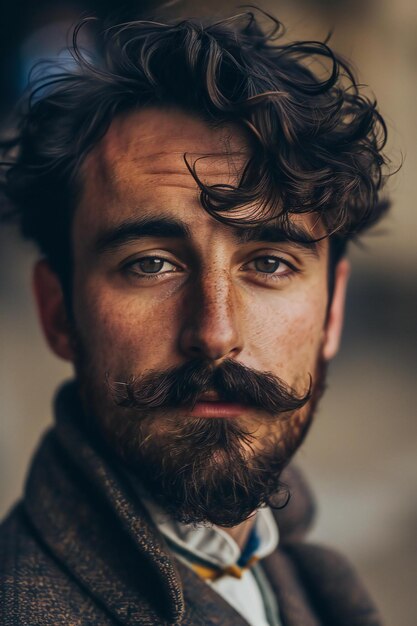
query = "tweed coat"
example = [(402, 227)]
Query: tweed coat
[(80, 550)]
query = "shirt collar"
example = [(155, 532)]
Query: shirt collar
[(211, 543)]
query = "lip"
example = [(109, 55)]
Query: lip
[(213, 409)]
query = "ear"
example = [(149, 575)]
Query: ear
[(334, 325), (52, 310)]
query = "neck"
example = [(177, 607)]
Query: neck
[(241, 532)]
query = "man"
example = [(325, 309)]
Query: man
[(192, 195)]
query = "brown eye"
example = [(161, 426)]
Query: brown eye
[(151, 265), (267, 264)]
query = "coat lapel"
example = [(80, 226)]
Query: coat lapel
[(294, 605)]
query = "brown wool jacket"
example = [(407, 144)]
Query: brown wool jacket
[(80, 550)]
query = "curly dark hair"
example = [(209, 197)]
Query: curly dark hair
[(317, 141)]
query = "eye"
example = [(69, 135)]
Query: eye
[(150, 265), (271, 265), (268, 264)]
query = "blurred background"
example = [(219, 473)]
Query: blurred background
[(361, 453)]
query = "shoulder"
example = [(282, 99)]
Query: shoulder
[(19, 550), (35, 590), (333, 583), (328, 571)]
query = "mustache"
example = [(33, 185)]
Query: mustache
[(181, 386)]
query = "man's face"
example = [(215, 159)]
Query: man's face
[(159, 286)]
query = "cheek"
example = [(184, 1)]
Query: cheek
[(287, 334), (123, 334)]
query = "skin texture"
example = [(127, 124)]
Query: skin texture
[(210, 301)]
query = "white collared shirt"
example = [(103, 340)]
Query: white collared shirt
[(214, 546)]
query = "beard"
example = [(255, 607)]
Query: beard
[(202, 470)]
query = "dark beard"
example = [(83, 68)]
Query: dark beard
[(200, 472), (216, 470)]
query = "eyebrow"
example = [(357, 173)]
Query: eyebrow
[(140, 227), (171, 228), (277, 233)]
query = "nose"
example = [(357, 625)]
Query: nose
[(211, 328)]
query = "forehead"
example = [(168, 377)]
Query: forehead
[(149, 146), (139, 167)]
